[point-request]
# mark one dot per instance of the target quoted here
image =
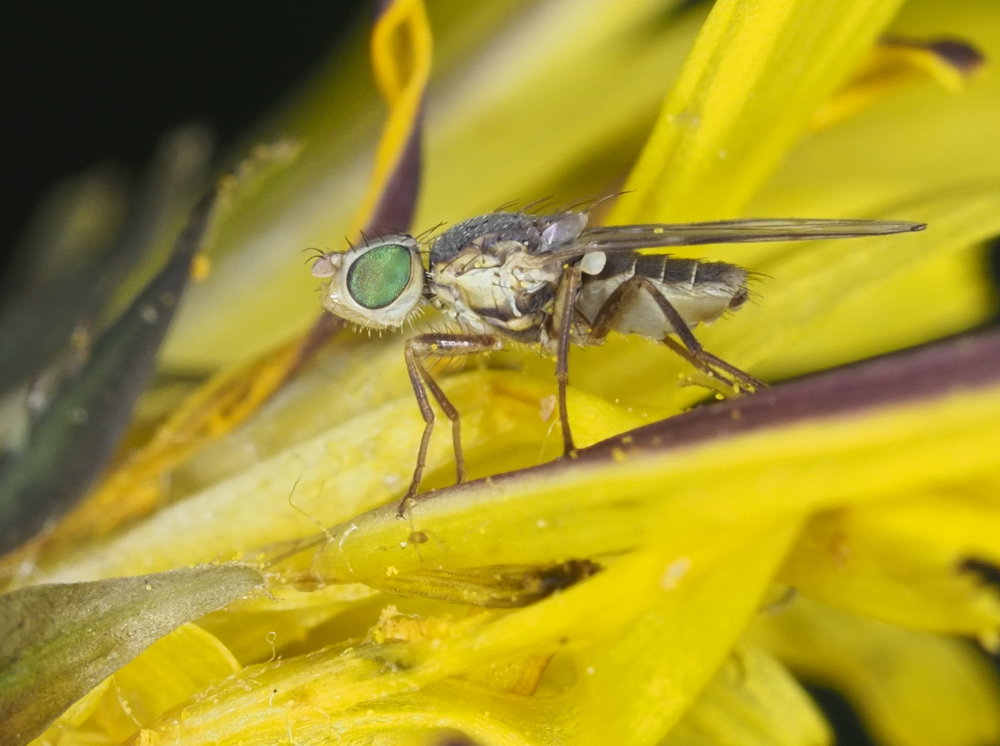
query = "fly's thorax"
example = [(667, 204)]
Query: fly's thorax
[(496, 272), (376, 285), (537, 234), (700, 292), (503, 288), (482, 233)]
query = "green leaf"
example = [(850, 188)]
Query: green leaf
[(59, 641)]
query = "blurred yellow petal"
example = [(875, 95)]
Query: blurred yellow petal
[(330, 477), (136, 486), (912, 688), (719, 124), (752, 701), (933, 297), (571, 89), (920, 139), (843, 285), (905, 561)]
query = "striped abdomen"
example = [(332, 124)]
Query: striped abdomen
[(699, 291)]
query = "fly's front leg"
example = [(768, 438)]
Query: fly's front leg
[(689, 348), (417, 350), (562, 321)]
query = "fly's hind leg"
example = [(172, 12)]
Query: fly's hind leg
[(688, 347), (417, 350)]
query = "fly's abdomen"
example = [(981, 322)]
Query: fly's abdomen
[(699, 291)]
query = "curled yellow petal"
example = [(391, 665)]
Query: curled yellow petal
[(894, 63), (401, 59)]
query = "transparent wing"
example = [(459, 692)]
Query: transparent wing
[(631, 237)]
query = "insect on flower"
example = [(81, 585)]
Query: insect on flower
[(552, 281)]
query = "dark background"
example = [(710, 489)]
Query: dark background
[(86, 83)]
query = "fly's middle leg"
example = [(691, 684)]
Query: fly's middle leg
[(689, 348), (417, 350), (562, 321)]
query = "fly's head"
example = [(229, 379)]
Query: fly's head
[(376, 285)]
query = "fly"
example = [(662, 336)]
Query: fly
[(550, 280)]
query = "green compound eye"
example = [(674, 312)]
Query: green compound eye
[(378, 277)]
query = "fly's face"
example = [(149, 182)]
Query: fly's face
[(376, 285)]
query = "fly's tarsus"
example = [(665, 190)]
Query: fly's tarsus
[(733, 379)]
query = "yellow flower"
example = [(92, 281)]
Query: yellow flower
[(670, 583)]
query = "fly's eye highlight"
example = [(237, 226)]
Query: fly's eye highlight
[(379, 276)]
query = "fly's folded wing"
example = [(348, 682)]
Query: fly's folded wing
[(630, 237)]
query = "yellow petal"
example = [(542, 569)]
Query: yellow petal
[(963, 297), (556, 102), (136, 486), (267, 627), (661, 619)]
